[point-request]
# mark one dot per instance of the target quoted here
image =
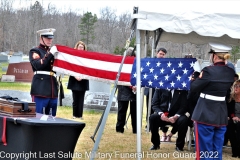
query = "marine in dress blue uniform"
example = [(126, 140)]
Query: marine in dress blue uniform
[(44, 87), (210, 113)]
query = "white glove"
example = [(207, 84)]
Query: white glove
[(197, 66), (53, 50)]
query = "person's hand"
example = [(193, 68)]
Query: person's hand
[(164, 118), (195, 75), (235, 119), (53, 50), (173, 119), (134, 88), (78, 78)]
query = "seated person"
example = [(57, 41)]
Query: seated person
[(176, 106)]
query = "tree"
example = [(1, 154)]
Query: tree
[(87, 27), (121, 50), (235, 50)]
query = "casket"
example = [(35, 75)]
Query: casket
[(16, 108)]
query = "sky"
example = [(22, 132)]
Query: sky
[(82, 6), (123, 6)]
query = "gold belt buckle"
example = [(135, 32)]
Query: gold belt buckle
[(51, 73)]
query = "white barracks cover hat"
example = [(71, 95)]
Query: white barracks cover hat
[(48, 33), (219, 48)]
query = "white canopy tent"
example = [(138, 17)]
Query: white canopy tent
[(182, 27)]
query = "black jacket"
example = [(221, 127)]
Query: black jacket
[(160, 102), (215, 81), (76, 85), (125, 93), (43, 85)]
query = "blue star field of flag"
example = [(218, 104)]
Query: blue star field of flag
[(164, 73)]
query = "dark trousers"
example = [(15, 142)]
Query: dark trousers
[(181, 125), (78, 103), (234, 136), (122, 113)]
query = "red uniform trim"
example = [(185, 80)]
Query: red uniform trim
[(196, 141), (4, 137)]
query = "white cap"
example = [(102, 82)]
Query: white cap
[(48, 33), (219, 48)]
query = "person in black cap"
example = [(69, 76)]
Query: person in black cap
[(210, 115), (44, 87)]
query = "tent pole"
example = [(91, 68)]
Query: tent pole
[(138, 93)]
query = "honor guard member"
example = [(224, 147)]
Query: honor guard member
[(210, 115), (44, 87)]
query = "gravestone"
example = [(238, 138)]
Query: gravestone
[(98, 100), (16, 58), (3, 58), (8, 78), (22, 71), (98, 96)]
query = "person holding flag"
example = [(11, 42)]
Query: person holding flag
[(79, 87), (210, 115), (44, 87)]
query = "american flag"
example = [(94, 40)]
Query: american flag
[(165, 73), (92, 65)]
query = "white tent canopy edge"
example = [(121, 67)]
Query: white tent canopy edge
[(194, 27)]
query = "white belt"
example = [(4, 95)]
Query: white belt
[(46, 73), (215, 98)]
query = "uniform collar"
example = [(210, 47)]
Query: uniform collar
[(219, 64), (43, 47)]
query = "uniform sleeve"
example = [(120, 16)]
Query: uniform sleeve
[(199, 83), (38, 61)]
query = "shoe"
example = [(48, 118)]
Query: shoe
[(178, 149), (119, 131), (163, 139), (168, 139), (74, 117), (146, 128), (155, 147)]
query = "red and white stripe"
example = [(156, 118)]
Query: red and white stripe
[(92, 65)]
